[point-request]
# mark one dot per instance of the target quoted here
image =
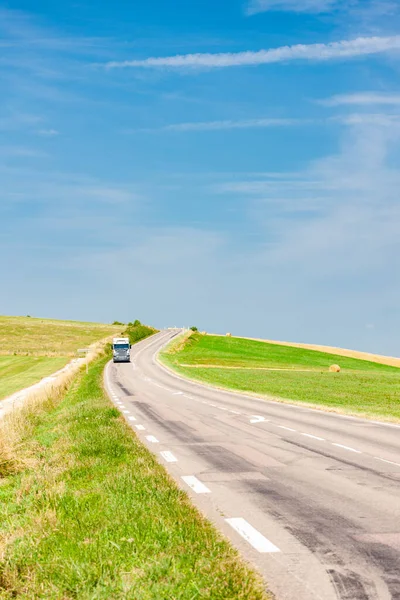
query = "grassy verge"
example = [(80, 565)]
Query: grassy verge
[(297, 374), (92, 515), (17, 372)]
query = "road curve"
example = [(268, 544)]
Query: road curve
[(311, 498)]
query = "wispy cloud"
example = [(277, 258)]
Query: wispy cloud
[(361, 46), (48, 132), (378, 119), (362, 98), (313, 6), (228, 124)]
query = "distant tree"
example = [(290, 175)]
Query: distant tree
[(194, 328), (28, 316), (118, 323), (136, 323)]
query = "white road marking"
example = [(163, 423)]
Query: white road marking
[(196, 485), (390, 462), (286, 428), (126, 412), (140, 427), (213, 405), (131, 419), (251, 535), (187, 396), (177, 393), (152, 439), (222, 408), (257, 419), (347, 448), (168, 456), (313, 437), (234, 412)]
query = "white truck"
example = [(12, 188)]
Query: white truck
[(121, 350)]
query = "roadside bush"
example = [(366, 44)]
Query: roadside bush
[(138, 332), (194, 329)]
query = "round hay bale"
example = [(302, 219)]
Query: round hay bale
[(228, 335), (334, 369)]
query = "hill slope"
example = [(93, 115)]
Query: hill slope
[(289, 373), (31, 348)]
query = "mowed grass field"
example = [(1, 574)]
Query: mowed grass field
[(19, 372), (289, 373), (31, 348)]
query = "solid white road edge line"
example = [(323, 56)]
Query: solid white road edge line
[(390, 462), (196, 485), (347, 448), (251, 535), (168, 456), (152, 439), (286, 428)]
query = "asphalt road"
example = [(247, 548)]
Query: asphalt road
[(311, 498)]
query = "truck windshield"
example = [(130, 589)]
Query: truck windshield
[(121, 346)]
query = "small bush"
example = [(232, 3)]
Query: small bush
[(117, 323), (194, 329), (138, 332)]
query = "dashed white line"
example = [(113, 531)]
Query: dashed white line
[(347, 448), (168, 456), (313, 437), (126, 412), (152, 439), (234, 412), (196, 485), (390, 462), (131, 418), (140, 427), (251, 535), (286, 428)]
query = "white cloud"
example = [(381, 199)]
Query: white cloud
[(379, 119), (362, 98), (48, 132), (362, 46), (229, 124), (313, 6)]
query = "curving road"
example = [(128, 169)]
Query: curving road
[(311, 498)]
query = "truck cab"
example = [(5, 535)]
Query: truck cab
[(121, 350)]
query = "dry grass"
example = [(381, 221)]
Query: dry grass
[(28, 336), (19, 421)]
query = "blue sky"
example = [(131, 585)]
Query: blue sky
[(230, 164)]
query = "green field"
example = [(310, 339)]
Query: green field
[(18, 372), (288, 373), (47, 337), (92, 514), (31, 349)]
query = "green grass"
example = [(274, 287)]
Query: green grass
[(96, 517), (47, 337), (18, 372), (31, 349), (362, 387)]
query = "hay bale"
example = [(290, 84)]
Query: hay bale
[(228, 335), (334, 369)]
